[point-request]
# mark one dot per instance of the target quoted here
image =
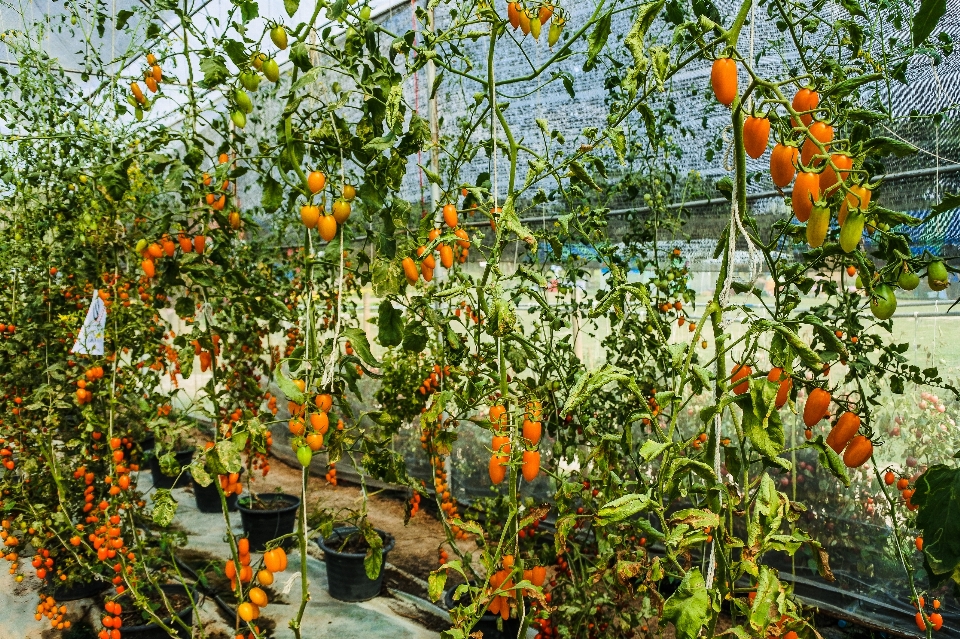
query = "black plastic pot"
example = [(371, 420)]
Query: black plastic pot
[(149, 442), (262, 526), (346, 577), (208, 498), (184, 457), (153, 631), (488, 622), (80, 590)]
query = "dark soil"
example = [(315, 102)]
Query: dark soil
[(266, 502)]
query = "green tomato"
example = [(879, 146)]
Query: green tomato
[(279, 36), (851, 231), (908, 280), (243, 100), (250, 80), (304, 455), (271, 69), (937, 276), (239, 118), (884, 302), (365, 12)]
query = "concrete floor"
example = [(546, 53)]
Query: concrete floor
[(388, 616)]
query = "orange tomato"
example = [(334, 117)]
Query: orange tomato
[(783, 164), (723, 78), (806, 191), (756, 134)]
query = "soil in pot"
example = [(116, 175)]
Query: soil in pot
[(488, 622), (208, 497), (184, 457), (267, 517), (344, 551), (136, 627)]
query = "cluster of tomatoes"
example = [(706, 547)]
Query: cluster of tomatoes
[(7, 330), (84, 395), (531, 19), (331, 475), (152, 76), (6, 454), (431, 383), (414, 504), (466, 308), (446, 250), (217, 198), (249, 78), (314, 216), (56, 614), (927, 620), (906, 493), (501, 580), (112, 621), (274, 561), (153, 251), (843, 437), (532, 430)]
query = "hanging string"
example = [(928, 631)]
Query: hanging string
[(416, 108)]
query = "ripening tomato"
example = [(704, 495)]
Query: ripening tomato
[(818, 224), (723, 77), (783, 164), (497, 470), (830, 178), (446, 255), (327, 227), (450, 215), (806, 191), (805, 100), (410, 270), (858, 452), (851, 231), (513, 15), (341, 211), (858, 197), (310, 215), (816, 408), (821, 132), (756, 134), (316, 180), (741, 372), (843, 431)]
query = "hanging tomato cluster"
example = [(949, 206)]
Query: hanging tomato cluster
[(315, 216), (446, 249), (531, 19), (152, 77)]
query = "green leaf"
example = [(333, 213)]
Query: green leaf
[(164, 507), (287, 387), (829, 459), (618, 140), (272, 196), (651, 449), (299, 54), (229, 456), (928, 15), (390, 325), (888, 146), (577, 171), (591, 381), (415, 336), (214, 70), (373, 561), (435, 583), (291, 7), (764, 609), (949, 202), (185, 358), (361, 346), (696, 518), (622, 508), (596, 41), (122, 17), (688, 608), (938, 516)]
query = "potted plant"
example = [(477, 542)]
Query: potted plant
[(172, 454), (355, 553), (161, 611), (267, 516)]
